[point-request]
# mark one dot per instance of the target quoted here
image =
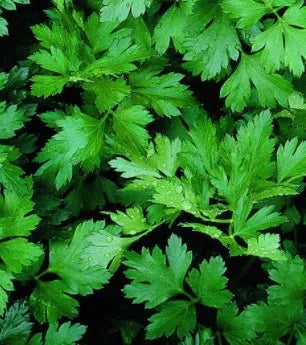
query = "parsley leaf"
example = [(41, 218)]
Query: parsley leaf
[(163, 93), (270, 88), (15, 326), (209, 283), (150, 272), (65, 333), (119, 10), (82, 135), (50, 300), (173, 316)]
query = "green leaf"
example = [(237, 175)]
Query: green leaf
[(54, 61), (129, 125), (247, 12), (209, 284), (284, 42), (78, 273), (173, 317), (133, 169), (10, 174), (8, 5), (14, 215), (132, 221), (263, 219), (249, 75), (163, 157), (109, 92), (211, 231), (11, 119), (104, 247), (156, 277), (205, 149), (3, 26), (49, 301), (272, 322), (171, 26), (266, 246), (80, 142), (203, 337), (166, 155), (119, 9), (120, 58), (164, 93), (235, 328), (173, 194), (66, 333), (5, 285), (291, 160), (15, 326), (48, 85), (288, 291), (245, 161), (17, 253), (211, 51), (101, 35), (11, 4)]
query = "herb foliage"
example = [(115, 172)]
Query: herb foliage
[(124, 174)]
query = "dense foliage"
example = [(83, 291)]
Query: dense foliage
[(152, 155)]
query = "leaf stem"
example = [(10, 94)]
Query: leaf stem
[(130, 240), (219, 337), (221, 221), (37, 277), (192, 299), (268, 4)]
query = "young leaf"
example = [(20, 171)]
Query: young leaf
[(14, 215), (49, 301), (109, 92), (211, 51), (48, 85), (291, 160), (119, 9), (173, 317), (80, 275), (247, 12), (78, 143), (132, 221), (284, 42), (15, 326), (209, 283), (266, 246), (235, 328), (164, 93), (18, 252), (66, 333), (11, 119), (104, 247), (156, 277), (288, 291), (263, 219), (10, 174), (171, 26), (129, 125), (5, 286), (270, 88)]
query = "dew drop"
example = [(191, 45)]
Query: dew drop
[(179, 189), (109, 238)]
